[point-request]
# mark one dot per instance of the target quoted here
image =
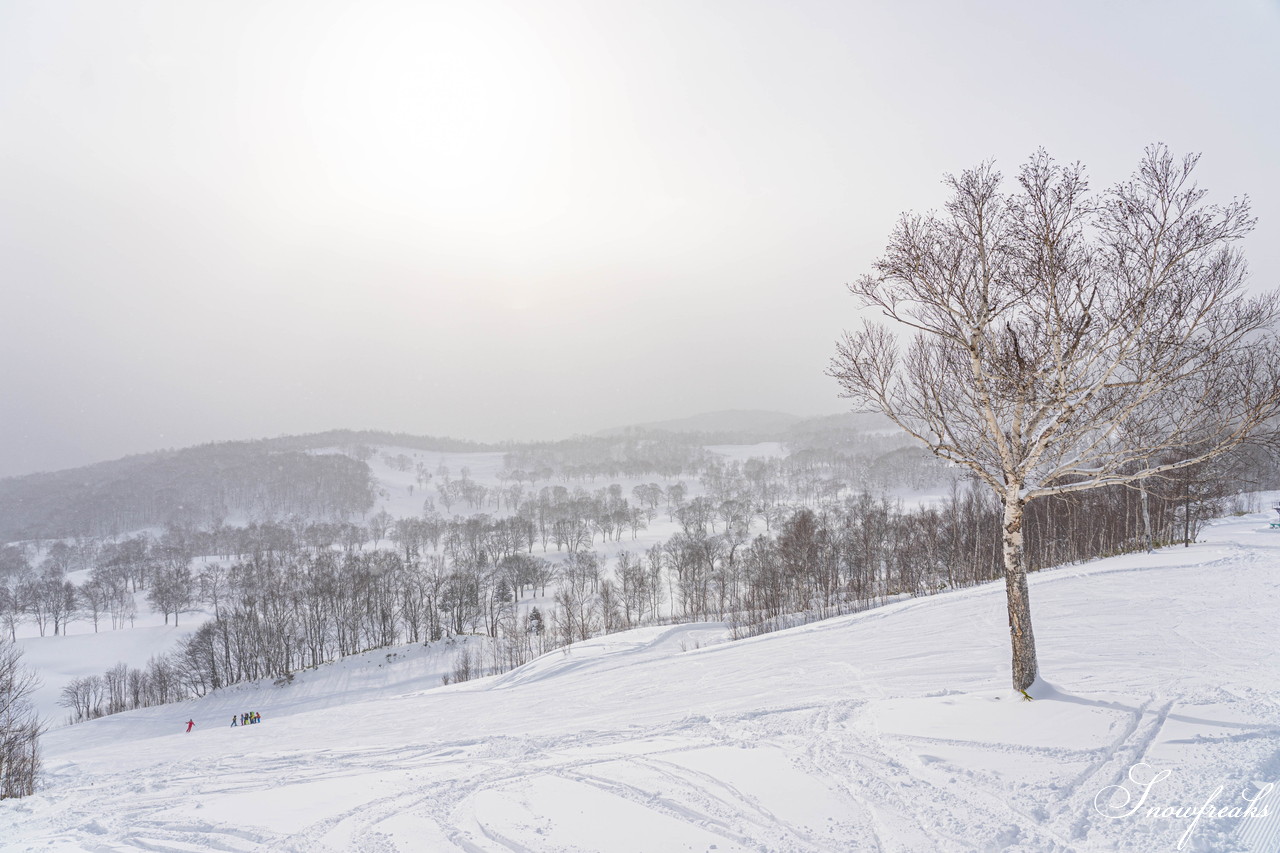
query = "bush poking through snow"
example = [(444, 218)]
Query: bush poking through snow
[(20, 728)]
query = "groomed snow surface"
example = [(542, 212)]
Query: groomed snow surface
[(893, 729)]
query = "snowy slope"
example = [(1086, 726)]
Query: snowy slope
[(891, 729), (80, 651)]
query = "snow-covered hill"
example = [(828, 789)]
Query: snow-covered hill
[(891, 729), (738, 420)]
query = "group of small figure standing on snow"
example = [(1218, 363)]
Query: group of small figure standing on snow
[(246, 719)]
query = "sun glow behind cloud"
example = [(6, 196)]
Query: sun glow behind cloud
[(450, 137), (452, 114), (525, 157), (504, 219)]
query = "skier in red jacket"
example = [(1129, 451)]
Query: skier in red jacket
[(190, 723)]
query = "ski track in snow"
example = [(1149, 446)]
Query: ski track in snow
[(886, 730)]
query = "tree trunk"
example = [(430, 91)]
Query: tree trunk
[(1186, 519), (1025, 666), (1146, 519)]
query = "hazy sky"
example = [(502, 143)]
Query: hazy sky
[(489, 220)]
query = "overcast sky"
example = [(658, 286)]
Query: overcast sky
[(488, 220)]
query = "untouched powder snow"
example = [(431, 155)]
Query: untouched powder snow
[(892, 729)]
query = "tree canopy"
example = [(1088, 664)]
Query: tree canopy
[(1050, 339)]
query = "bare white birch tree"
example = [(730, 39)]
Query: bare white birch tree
[(1049, 328)]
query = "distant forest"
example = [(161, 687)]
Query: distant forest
[(280, 477), (285, 597), (198, 486), (202, 486), (311, 573)]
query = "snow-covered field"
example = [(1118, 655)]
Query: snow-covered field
[(892, 729)]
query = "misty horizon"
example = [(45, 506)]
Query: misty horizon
[(672, 424), (499, 221)]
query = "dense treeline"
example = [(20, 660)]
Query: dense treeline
[(863, 551), (735, 498), (760, 544), (280, 477), (283, 610), (198, 486), (848, 447), (633, 454), (364, 438), (294, 599)]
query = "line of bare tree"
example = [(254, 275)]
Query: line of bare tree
[(287, 608), (20, 726)]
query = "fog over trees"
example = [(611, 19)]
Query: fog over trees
[(200, 486)]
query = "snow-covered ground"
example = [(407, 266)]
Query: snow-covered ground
[(892, 729), (60, 659)]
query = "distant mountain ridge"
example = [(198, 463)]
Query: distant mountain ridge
[(726, 421), (282, 476)]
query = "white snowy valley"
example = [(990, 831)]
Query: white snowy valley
[(892, 729)]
